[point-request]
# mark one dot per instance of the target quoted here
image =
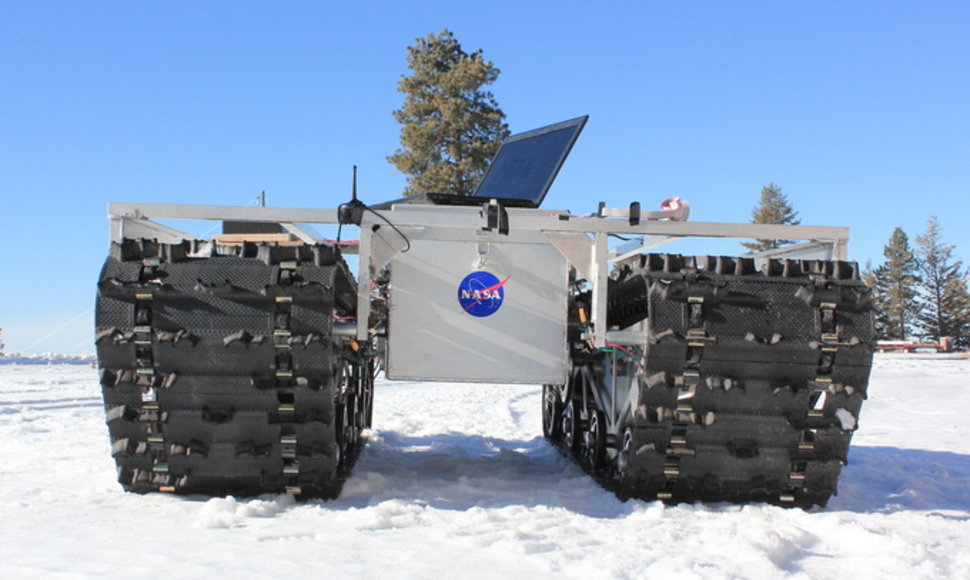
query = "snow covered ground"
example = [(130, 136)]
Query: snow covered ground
[(456, 482)]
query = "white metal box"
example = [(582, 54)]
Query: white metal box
[(478, 307)]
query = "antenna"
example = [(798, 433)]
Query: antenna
[(353, 191), (352, 211)]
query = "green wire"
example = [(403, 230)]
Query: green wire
[(628, 355)]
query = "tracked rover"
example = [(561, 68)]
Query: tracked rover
[(245, 363)]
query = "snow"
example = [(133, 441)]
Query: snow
[(846, 419), (456, 481), (47, 359)]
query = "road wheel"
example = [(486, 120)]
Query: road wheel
[(571, 427), (595, 440), (625, 454), (551, 413)]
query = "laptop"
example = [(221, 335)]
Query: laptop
[(521, 172)]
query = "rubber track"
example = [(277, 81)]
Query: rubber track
[(752, 381), (218, 371)]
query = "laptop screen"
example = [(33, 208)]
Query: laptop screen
[(527, 163)]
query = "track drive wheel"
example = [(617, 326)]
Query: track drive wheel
[(352, 422), (594, 444), (551, 413), (624, 455), (571, 426), (367, 397)]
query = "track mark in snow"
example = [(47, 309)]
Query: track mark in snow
[(288, 538), (52, 405), (524, 411), (457, 471), (64, 402), (464, 446)]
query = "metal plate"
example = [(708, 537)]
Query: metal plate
[(513, 333)]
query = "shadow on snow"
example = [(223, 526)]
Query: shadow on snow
[(889, 479), (460, 471)]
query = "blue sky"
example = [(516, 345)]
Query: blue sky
[(860, 111)]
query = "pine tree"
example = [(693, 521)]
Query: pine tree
[(868, 276), (894, 291), (774, 208), (451, 127), (942, 290)]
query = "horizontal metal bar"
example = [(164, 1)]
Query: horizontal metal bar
[(707, 229), (626, 337), (804, 250), (222, 212), (462, 217), (561, 221)]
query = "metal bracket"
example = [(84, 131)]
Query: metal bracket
[(132, 227), (577, 248), (813, 250), (626, 251), (304, 236)]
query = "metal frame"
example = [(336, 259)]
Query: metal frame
[(583, 241)]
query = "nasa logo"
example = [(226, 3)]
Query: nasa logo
[(481, 293)]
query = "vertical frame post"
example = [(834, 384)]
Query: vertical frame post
[(364, 276), (600, 281)]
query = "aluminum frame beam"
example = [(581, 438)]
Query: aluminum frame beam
[(565, 231), (462, 217)]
